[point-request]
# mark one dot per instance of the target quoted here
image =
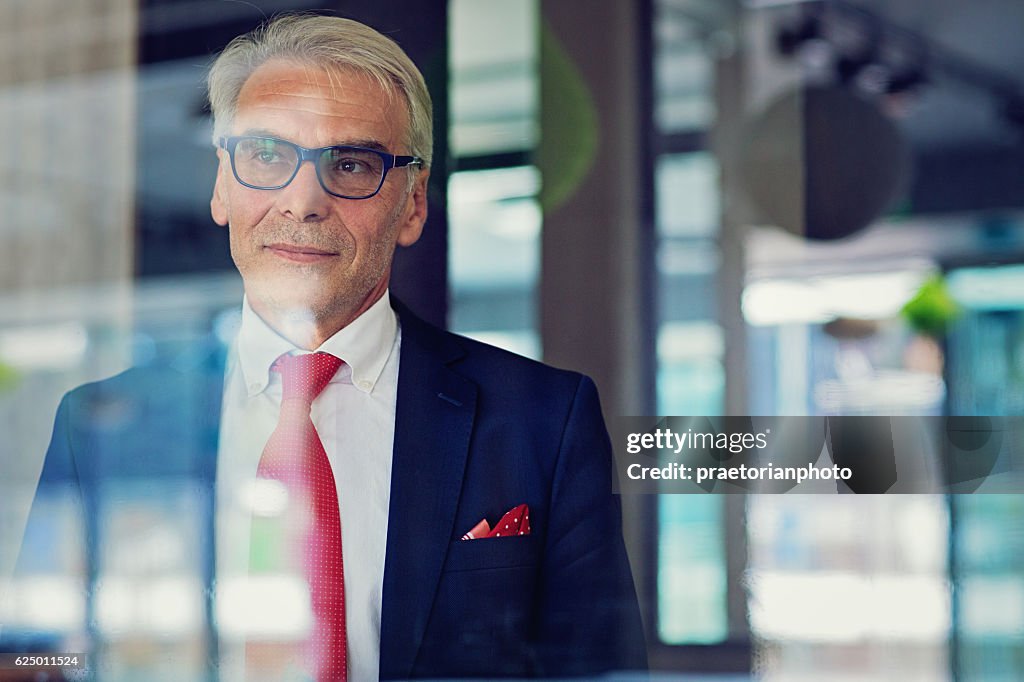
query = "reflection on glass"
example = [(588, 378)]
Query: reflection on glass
[(849, 587), (988, 555), (494, 86), (986, 345), (47, 594), (494, 256), (682, 68), (149, 585), (691, 379), (122, 577), (985, 354), (687, 190), (837, 344), (691, 570)]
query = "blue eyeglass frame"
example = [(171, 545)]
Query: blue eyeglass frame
[(313, 155)]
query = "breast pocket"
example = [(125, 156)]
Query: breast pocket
[(482, 619), (491, 553)]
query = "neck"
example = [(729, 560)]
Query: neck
[(305, 328)]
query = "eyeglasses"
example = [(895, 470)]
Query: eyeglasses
[(343, 171)]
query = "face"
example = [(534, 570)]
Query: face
[(305, 255)]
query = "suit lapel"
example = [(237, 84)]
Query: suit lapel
[(433, 425)]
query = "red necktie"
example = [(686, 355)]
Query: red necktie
[(295, 456)]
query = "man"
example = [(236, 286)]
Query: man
[(323, 133)]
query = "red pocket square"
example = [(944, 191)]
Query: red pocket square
[(516, 521)]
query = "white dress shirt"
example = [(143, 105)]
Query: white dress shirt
[(355, 418)]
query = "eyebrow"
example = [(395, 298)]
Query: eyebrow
[(365, 143)]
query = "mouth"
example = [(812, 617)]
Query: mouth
[(299, 254)]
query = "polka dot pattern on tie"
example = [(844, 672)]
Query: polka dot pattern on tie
[(295, 456)]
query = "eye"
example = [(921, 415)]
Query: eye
[(263, 152), (349, 166), (351, 161), (266, 155)]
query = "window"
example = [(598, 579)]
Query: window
[(495, 218)]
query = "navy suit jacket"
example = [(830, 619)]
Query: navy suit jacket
[(478, 431)]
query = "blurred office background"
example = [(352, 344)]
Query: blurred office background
[(711, 206)]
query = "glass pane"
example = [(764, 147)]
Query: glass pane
[(691, 379), (150, 584), (837, 344), (494, 256), (986, 345), (691, 570), (682, 69), (687, 195), (988, 555), (494, 90), (985, 369), (688, 257), (690, 375), (47, 594), (849, 587)]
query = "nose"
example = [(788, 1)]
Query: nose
[(304, 199)]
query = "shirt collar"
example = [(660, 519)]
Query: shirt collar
[(364, 344)]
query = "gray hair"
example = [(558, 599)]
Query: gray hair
[(331, 43)]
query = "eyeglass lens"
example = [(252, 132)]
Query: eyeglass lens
[(268, 163)]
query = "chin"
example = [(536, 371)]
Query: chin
[(293, 296)]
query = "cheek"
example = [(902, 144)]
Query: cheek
[(246, 210), (379, 235), (242, 234)]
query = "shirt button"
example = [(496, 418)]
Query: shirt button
[(364, 384)]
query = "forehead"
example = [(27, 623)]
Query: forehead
[(316, 107)]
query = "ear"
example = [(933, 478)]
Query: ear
[(415, 211), (219, 202)]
